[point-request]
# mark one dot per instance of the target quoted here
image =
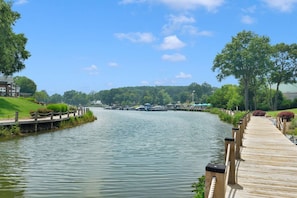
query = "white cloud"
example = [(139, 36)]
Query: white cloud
[(144, 82), (92, 70), (193, 4), (173, 57), (182, 24), (183, 75), (250, 9), (282, 5), (176, 23), (136, 37), (172, 42), (113, 64), (21, 2), (246, 19)]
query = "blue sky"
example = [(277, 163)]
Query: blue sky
[(93, 45)]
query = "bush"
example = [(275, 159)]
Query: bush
[(259, 113), (41, 112), (59, 107), (288, 115)]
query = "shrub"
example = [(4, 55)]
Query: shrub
[(41, 112), (59, 107), (259, 113), (288, 115)]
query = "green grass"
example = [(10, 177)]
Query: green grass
[(9, 105), (274, 113)]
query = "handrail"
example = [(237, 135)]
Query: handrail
[(212, 187), (217, 177)]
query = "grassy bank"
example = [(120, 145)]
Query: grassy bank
[(8, 107)]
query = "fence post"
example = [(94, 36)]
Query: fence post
[(218, 171), (36, 115), (230, 141), (237, 142), (240, 132), (284, 126), (16, 118)]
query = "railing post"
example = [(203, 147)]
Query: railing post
[(284, 126), (67, 113), (237, 142), (52, 115), (36, 115), (60, 115), (218, 171), (240, 132), (16, 118), (230, 141)]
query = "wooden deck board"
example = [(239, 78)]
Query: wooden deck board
[(268, 165)]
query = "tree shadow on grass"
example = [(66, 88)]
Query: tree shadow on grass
[(7, 106)]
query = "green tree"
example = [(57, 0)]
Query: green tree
[(26, 85), (41, 96), (56, 98), (284, 69), (245, 58), (227, 97), (12, 48)]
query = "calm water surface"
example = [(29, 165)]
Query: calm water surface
[(122, 154)]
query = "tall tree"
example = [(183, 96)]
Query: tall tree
[(26, 84), (12, 48), (245, 58), (284, 69)]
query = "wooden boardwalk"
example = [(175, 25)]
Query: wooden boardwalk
[(268, 165)]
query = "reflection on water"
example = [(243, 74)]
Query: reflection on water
[(122, 154)]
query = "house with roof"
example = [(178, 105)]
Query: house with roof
[(8, 87)]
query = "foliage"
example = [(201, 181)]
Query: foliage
[(293, 127), (232, 117), (10, 131), (226, 97), (259, 113), (41, 96), (75, 121), (199, 187), (59, 107), (10, 105), (75, 98), (26, 85), (12, 48), (284, 68), (245, 58), (288, 115), (162, 95), (41, 112)]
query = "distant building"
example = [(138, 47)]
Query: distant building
[(8, 87)]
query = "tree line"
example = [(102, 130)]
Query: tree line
[(227, 97)]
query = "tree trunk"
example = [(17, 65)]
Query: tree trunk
[(246, 95), (275, 106)]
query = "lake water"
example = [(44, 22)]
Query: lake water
[(122, 154)]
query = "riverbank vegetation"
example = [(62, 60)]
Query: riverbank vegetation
[(26, 106)]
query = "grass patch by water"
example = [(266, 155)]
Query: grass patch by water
[(10, 105)]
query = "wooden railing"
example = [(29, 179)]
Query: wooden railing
[(218, 176), (281, 124)]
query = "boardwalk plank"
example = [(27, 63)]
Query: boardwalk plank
[(268, 167)]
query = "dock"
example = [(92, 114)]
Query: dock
[(268, 164), (262, 164)]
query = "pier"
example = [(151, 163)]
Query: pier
[(260, 162), (41, 122)]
